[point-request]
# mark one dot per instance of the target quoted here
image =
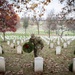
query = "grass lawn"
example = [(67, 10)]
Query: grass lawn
[(22, 64)]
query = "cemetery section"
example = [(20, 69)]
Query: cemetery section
[(56, 58)]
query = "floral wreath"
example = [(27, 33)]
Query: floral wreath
[(28, 47)]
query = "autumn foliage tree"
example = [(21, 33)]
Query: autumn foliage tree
[(69, 8), (8, 18), (31, 8)]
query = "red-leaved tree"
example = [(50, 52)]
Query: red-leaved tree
[(8, 18)]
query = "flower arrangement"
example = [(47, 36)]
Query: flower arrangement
[(28, 47)]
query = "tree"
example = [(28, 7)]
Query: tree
[(8, 18), (25, 23), (30, 7), (61, 28), (51, 22), (69, 7), (37, 22), (69, 12), (70, 24), (33, 9)]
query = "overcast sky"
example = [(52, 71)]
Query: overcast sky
[(54, 5)]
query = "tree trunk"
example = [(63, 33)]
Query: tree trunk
[(49, 31), (37, 22), (25, 33), (38, 29), (62, 34), (4, 36), (49, 35)]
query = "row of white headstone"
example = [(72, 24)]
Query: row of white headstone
[(17, 41), (45, 40), (14, 42), (65, 42), (59, 38), (19, 49), (64, 45), (38, 64), (12, 37)]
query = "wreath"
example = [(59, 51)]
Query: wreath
[(28, 47)]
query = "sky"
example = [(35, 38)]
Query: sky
[(54, 6)]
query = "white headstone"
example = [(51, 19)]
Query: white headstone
[(14, 41), (58, 42), (58, 50), (18, 42), (68, 42), (11, 45), (51, 45), (73, 64), (21, 41), (65, 45), (19, 49), (0, 50), (2, 64), (8, 42), (38, 64)]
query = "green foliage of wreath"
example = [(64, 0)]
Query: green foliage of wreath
[(28, 47)]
